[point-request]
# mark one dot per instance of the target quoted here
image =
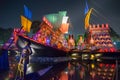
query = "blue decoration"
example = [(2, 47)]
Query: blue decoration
[(86, 8), (4, 64), (27, 12)]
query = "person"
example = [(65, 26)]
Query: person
[(24, 60)]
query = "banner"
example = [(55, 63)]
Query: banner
[(87, 18), (86, 8), (26, 23), (64, 28), (27, 12)]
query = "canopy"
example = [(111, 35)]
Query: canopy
[(56, 19)]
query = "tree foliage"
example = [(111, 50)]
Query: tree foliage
[(35, 26)]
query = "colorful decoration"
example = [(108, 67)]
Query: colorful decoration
[(26, 24), (27, 12), (86, 8), (87, 18), (100, 37)]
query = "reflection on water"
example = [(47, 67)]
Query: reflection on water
[(66, 70)]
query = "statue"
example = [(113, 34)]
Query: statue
[(24, 59)]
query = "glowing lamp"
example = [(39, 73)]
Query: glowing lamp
[(105, 70), (103, 77), (98, 59), (104, 74), (110, 74), (99, 73), (113, 66), (114, 43), (74, 58), (66, 72), (90, 26), (92, 57), (99, 69), (92, 66), (107, 65), (74, 54), (109, 78), (111, 70), (101, 65)]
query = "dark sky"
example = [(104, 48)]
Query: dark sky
[(107, 11)]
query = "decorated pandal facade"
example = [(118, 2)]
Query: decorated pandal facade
[(98, 36), (52, 38), (54, 27), (47, 36)]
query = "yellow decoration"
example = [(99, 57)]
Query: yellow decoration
[(87, 18), (92, 66), (26, 23), (92, 57)]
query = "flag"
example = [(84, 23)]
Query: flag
[(65, 19), (26, 23), (86, 8), (87, 18), (64, 28), (27, 12)]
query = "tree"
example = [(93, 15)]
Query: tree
[(114, 35), (35, 26)]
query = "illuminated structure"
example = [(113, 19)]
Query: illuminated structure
[(42, 35), (51, 34), (106, 71), (54, 26), (52, 30), (98, 35)]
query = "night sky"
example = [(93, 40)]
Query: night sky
[(107, 11)]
